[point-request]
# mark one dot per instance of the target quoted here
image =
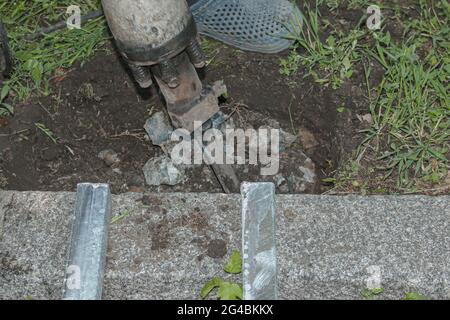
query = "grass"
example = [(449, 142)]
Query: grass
[(5, 108), (211, 48), (411, 112), (411, 128), (371, 294), (38, 62), (46, 131), (329, 62), (409, 138), (375, 294)]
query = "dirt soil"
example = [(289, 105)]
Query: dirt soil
[(97, 106)]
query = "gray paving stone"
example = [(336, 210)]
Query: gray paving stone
[(167, 246), (34, 243)]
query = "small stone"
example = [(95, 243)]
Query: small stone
[(86, 91), (219, 120), (109, 157), (365, 118), (307, 138), (298, 172), (158, 128), (309, 174), (279, 180), (287, 139), (162, 171), (117, 171)]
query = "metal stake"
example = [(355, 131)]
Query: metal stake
[(84, 274), (258, 241)]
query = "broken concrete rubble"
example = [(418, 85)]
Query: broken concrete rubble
[(163, 171), (158, 128), (297, 172)]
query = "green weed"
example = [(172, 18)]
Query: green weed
[(226, 290), (329, 62), (38, 61), (411, 111), (46, 131)]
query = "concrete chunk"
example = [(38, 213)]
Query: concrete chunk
[(163, 171), (158, 128)]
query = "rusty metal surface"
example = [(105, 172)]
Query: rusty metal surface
[(190, 101), (190, 104)]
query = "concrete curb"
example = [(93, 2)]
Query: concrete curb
[(166, 246)]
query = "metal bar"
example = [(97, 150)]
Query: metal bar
[(189, 101), (61, 25), (227, 177), (225, 174), (258, 241), (84, 274)]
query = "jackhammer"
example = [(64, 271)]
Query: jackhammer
[(158, 40)]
